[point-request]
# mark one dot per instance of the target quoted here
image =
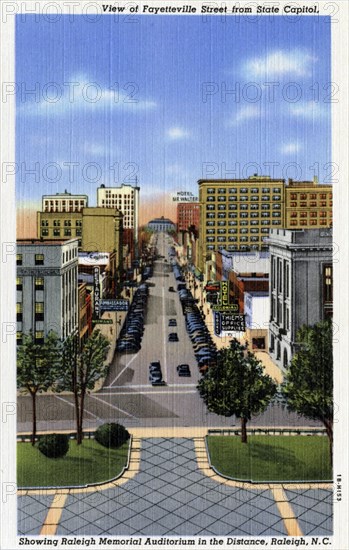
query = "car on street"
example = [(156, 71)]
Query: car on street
[(172, 323), (155, 378), (183, 370), (173, 337), (155, 366), (171, 289)]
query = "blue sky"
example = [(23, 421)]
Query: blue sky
[(151, 98)]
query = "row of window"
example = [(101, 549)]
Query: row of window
[(211, 215), (304, 196), (243, 231), (38, 282), (230, 247), (243, 207), (306, 223), (57, 223), (311, 214), (234, 190), (57, 232), (244, 198), (232, 239), (311, 204), (38, 260), (38, 335), (39, 311)]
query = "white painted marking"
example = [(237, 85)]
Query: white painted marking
[(137, 386), (72, 405), (123, 370), (112, 406), (149, 392)]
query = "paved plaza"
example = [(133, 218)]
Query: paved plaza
[(172, 495)]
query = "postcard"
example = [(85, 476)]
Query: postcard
[(174, 274)]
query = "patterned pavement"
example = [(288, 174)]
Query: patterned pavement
[(171, 496)]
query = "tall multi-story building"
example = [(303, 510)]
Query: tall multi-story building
[(64, 202), (47, 288), (308, 205), (301, 286), (124, 198), (188, 214), (237, 214)]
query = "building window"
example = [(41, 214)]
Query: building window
[(328, 283), (19, 311), (39, 259), (222, 207), (39, 283), (221, 199), (232, 239), (222, 190), (232, 215), (243, 207), (19, 259), (221, 216), (265, 206), (232, 206), (210, 215), (276, 214), (56, 232), (255, 206), (19, 283), (211, 199), (233, 191), (67, 223), (210, 224), (56, 223), (78, 232), (39, 311), (39, 337), (211, 191), (78, 223), (67, 232), (19, 338), (277, 222), (44, 232), (44, 223)]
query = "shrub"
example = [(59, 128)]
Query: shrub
[(111, 435), (54, 445)]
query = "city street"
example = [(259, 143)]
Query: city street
[(127, 395)]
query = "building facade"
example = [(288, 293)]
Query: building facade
[(59, 225), (124, 198), (237, 214), (188, 214), (64, 202), (308, 205), (161, 224), (301, 286), (47, 288)]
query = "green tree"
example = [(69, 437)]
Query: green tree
[(308, 386), (37, 368), (81, 369), (236, 385)]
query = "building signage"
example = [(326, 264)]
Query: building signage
[(102, 321), (114, 305), (184, 196), (97, 296), (230, 308), (224, 294), (226, 324), (213, 286), (232, 323)]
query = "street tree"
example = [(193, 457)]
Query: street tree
[(37, 368), (308, 386), (81, 368), (236, 385)]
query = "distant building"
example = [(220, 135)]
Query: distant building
[(64, 202), (161, 224), (47, 288), (301, 286), (236, 215), (188, 214), (308, 205), (126, 199)]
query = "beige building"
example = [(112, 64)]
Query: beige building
[(64, 202), (308, 205), (124, 198), (237, 214)]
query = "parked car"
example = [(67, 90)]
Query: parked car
[(172, 323), (183, 370), (155, 378), (173, 337), (171, 289), (155, 366)]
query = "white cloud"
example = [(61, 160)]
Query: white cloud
[(247, 112), (309, 109), (94, 149), (176, 132), (83, 94), (278, 63), (290, 148)]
